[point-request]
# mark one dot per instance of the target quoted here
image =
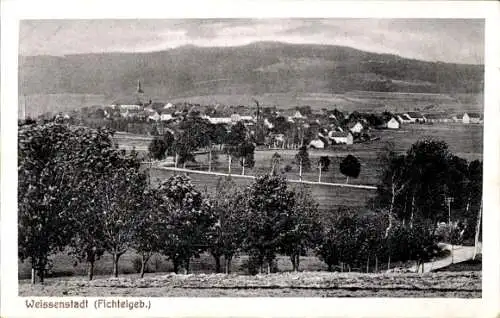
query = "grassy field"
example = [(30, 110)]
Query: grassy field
[(65, 265), (301, 284), (328, 197), (38, 104), (350, 101), (463, 140)]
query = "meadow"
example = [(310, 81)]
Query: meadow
[(298, 284)]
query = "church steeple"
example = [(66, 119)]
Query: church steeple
[(139, 87)]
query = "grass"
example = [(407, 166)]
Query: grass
[(37, 104), (301, 284), (350, 101), (463, 140)]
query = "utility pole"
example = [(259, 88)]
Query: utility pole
[(449, 200), (478, 229)]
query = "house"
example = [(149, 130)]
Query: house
[(341, 137), (403, 118), (393, 124), (166, 117), (168, 105), (317, 144), (415, 117), (127, 105), (356, 128), (268, 124), (471, 118), (437, 118), (154, 117), (298, 115), (219, 120)]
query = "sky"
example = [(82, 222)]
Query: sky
[(445, 40)]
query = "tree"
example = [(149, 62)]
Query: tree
[(184, 146), (302, 158), (246, 155), (189, 219), (118, 196), (350, 167), (228, 234), (268, 204), (323, 164), (48, 157), (237, 144), (157, 148), (147, 235), (275, 161), (338, 243), (302, 227)]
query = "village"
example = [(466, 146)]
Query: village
[(282, 128)]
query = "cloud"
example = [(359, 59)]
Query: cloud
[(448, 40)]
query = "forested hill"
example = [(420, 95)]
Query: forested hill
[(258, 68)]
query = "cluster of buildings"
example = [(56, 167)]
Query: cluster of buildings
[(416, 117)]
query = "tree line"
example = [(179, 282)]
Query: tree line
[(79, 194)]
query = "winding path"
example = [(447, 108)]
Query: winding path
[(460, 254)]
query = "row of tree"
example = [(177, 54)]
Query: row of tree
[(78, 193)]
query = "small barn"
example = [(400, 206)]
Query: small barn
[(317, 144), (393, 124), (471, 118), (341, 137), (356, 128)]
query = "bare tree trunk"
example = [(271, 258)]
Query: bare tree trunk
[(90, 272), (319, 176), (389, 263), (176, 159), (243, 167), (300, 170), (144, 260), (294, 266), (367, 264), (376, 264), (33, 275), (229, 165), (227, 260), (210, 158), (187, 264), (478, 229), (298, 261), (347, 180), (41, 274), (217, 264), (412, 210), (116, 257)]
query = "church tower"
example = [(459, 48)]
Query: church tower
[(140, 93)]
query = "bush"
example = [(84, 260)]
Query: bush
[(288, 168)]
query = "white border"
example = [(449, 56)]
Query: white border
[(14, 10)]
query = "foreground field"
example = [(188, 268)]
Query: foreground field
[(302, 284)]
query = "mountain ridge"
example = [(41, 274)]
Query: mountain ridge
[(254, 68)]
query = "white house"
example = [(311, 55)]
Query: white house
[(154, 117), (168, 105), (393, 124), (341, 137), (403, 118), (415, 117), (268, 124), (356, 128), (126, 105), (166, 117), (219, 120), (317, 143), (471, 118), (298, 115)]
